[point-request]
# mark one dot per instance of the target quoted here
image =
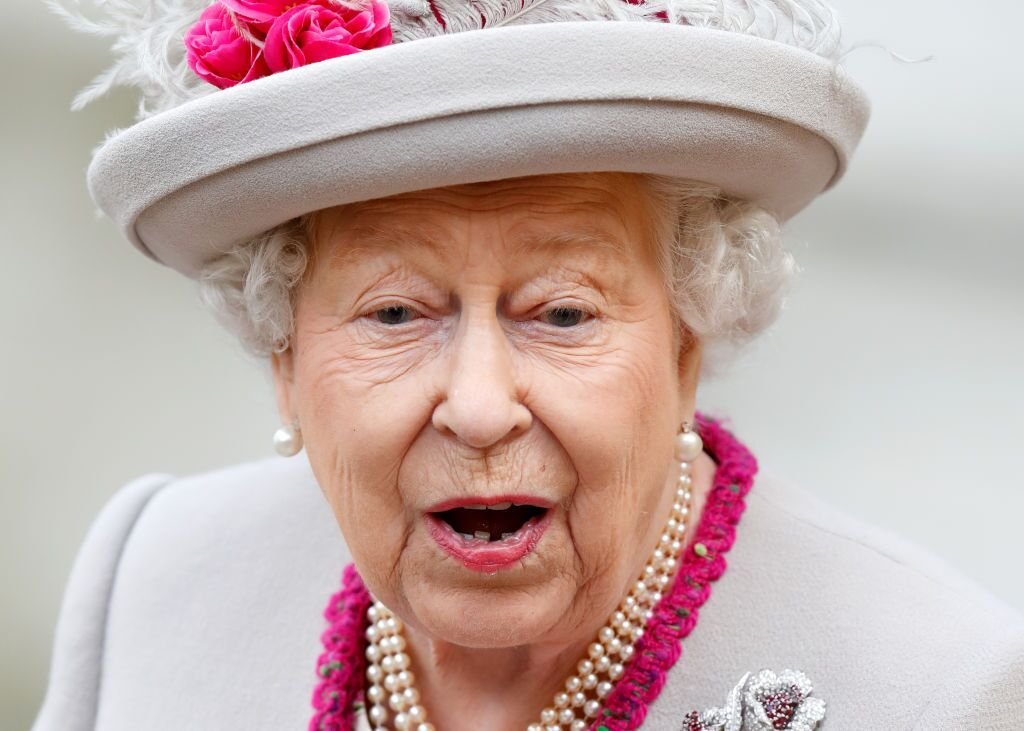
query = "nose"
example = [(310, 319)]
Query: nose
[(480, 405)]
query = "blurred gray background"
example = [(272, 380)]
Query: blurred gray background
[(893, 385)]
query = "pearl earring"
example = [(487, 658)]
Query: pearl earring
[(288, 440), (688, 444)]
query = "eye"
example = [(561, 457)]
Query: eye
[(394, 315), (566, 316)]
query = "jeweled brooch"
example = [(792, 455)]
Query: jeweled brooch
[(765, 701)]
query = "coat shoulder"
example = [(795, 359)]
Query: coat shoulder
[(222, 576), (891, 635), (887, 577), (72, 695)]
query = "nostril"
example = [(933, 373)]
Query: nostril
[(481, 425)]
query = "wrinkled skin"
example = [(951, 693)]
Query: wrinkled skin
[(472, 365)]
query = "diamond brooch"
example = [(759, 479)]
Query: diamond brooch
[(765, 701)]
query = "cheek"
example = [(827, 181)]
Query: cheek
[(358, 421), (613, 414), (607, 404)]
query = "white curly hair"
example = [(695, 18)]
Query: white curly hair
[(726, 270)]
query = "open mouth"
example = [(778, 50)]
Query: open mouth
[(489, 537), (490, 522)]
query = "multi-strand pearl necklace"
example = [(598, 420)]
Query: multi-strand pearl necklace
[(391, 682)]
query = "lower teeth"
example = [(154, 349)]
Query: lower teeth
[(484, 535)]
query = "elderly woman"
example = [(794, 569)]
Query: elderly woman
[(489, 250)]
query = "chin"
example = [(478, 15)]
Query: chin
[(489, 617)]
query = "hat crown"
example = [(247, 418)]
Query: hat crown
[(148, 38)]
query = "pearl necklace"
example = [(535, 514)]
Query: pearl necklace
[(391, 681)]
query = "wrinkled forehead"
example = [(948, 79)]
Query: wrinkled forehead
[(605, 214)]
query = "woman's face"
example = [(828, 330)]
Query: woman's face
[(481, 345)]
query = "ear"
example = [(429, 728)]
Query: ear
[(691, 350), (283, 367)]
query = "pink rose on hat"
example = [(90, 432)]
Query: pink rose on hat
[(256, 11), (218, 52), (317, 31), (259, 15), (236, 41)]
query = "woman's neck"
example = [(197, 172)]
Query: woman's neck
[(466, 689)]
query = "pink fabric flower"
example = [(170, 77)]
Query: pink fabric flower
[(259, 15), (320, 30), (218, 52), (258, 10)]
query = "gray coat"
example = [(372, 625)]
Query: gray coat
[(196, 603)]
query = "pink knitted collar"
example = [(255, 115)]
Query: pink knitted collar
[(341, 667)]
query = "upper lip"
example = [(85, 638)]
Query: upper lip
[(462, 502)]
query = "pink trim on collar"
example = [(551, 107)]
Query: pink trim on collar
[(703, 562), (343, 662), (341, 666)]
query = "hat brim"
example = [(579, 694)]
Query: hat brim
[(762, 120)]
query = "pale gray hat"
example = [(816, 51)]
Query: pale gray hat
[(756, 114)]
